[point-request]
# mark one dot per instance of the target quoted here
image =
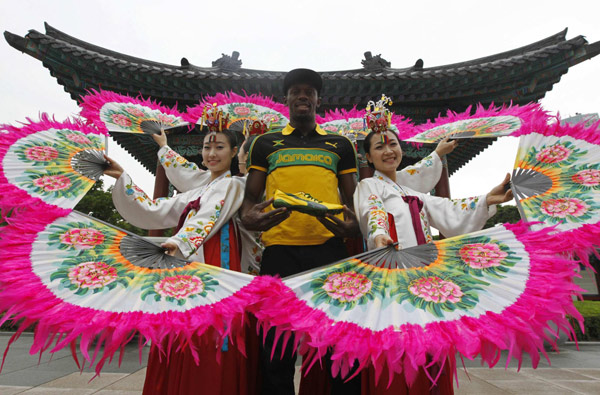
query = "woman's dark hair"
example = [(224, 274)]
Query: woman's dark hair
[(367, 143), (248, 143), (233, 142)]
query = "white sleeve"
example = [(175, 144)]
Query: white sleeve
[(138, 209), (217, 206), (184, 175), (453, 217), (423, 175), (370, 212)]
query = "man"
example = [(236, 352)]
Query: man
[(300, 158)]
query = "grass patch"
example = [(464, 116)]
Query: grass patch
[(590, 310)]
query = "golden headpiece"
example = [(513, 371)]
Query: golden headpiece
[(378, 118), (257, 126), (213, 119)]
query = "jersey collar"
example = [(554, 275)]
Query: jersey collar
[(289, 129)]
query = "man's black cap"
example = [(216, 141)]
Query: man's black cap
[(302, 76)]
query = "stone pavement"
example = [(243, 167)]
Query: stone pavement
[(572, 372)]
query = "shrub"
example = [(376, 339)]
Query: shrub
[(590, 310)]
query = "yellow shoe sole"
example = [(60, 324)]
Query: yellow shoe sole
[(305, 203)]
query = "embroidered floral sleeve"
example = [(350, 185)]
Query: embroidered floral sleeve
[(136, 193), (377, 217), (184, 175), (217, 205), (194, 232), (142, 211), (457, 216), (466, 204), (169, 158), (423, 175), (370, 210)]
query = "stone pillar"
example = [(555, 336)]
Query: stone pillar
[(442, 188), (161, 189)]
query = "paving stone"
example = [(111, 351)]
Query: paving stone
[(82, 380), (476, 386), (582, 387), (595, 373), (132, 382), (30, 377), (529, 386), (572, 371), (496, 374), (556, 374), (57, 391), (11, 390)]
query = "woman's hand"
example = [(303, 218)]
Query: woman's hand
[(383, 240), (444, 147), (113, 170), (499, 194), (161, 139), (171, 248)]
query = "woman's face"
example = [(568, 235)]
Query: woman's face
[(385, 157), (217, 154)]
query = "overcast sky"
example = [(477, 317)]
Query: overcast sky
[(281, 35)]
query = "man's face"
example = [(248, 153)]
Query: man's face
[(302, 100)]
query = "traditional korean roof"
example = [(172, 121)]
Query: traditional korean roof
[(520, 75)]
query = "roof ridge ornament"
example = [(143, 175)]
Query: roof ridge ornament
[(374, 63), (228, 63)]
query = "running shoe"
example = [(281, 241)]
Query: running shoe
[(304, 203)]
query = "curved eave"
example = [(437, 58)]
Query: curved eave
[(58, 39), (78, 70), (548, 41)]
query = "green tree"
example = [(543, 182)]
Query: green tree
[(98, 204), (505, 214)]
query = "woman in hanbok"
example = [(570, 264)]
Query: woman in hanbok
[(186, 176), (389, 212), (205, 219)]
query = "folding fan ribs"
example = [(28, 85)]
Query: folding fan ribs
[(491, 122), (112, 112), (51, 162), (556, 178), (475, 294), (85, 280)]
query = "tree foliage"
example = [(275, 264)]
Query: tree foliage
[(507, 213), (98, 204)]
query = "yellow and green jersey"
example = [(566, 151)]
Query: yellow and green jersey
[(296, 163)]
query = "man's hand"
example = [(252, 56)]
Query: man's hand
[(499, 194), (346, 228), (256, 219), (161, 139), (113, 170)]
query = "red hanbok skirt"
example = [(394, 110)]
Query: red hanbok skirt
[(230, 373)]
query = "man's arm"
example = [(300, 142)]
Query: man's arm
[(347, 185), (253, 216)]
